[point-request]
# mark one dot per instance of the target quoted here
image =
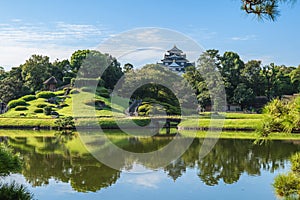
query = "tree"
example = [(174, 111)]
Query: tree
[(77, 58), (263, 9), (251, 76), (231, 66), (2, 73), (243, 95), (295, 79), (12, 87), (127, 67), (35, 71)]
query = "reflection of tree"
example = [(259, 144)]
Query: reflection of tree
[(51, 157), (47, 159), (230, 158)]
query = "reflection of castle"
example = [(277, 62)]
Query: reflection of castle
[(176, 60)]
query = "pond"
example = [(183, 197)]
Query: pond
[(60, 167)]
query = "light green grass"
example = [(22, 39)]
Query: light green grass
[(218, 123)]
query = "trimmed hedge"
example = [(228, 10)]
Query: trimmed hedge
[(74, 91), (41, 105), (29, 97), (47, 110), (17, 102), (60, 93), (38, 110), (45, 94), (21, 108)]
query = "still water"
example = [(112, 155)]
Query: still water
[(60, 167)]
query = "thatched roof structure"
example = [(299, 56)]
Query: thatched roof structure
[(50, 81)]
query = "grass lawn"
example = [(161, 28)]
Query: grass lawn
[(227, 123)]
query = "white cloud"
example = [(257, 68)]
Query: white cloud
[(150, 180), (244, 38), (19, 40)]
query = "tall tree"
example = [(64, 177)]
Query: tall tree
[(35, 71), (251, 76), (77, 59), (231, 66)]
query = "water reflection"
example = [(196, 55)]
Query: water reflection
[(67, 160)]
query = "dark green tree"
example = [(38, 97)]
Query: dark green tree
[(264, 9), (35, 71)]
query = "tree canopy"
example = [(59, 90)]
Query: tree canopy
[(264, 9)]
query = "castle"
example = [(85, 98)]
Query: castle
[(176, 60)]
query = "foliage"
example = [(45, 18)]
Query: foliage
[(287, 184), (281, 116), (295, 160), (41, 105), (45, 94), (15, 103), (14, 191), (21, 108), (47, 110), (9, 162), (59, 93), (263, 9), (38, 110), (28, 98), (65, 123), (35, 71)]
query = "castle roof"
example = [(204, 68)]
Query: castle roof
[(175, 50)]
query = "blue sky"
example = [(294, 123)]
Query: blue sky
[(57, 28)]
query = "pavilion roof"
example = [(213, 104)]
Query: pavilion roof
[(51, 80)]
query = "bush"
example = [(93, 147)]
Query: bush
[(86, 89), (14, 191), (41, 105), (105, 95), (47, 110), (21, 108), (295, 160), (38, 110), (45, 95), (9, 162), (15, 103), (65, 123), (28, 98), (74, 91), (67, 80), (60, 93), (287, 185)]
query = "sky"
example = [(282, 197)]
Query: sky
[(57, 28)]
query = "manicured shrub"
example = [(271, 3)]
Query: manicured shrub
[(21, 108), (28, 98), (105, 95), (95, 102), (60, 93), (47, 110), (45, 94), (38, 110), (74, 91), (15, 103), (86, 89), (41, 105)]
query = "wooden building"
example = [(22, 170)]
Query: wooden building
[(50, 84)]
